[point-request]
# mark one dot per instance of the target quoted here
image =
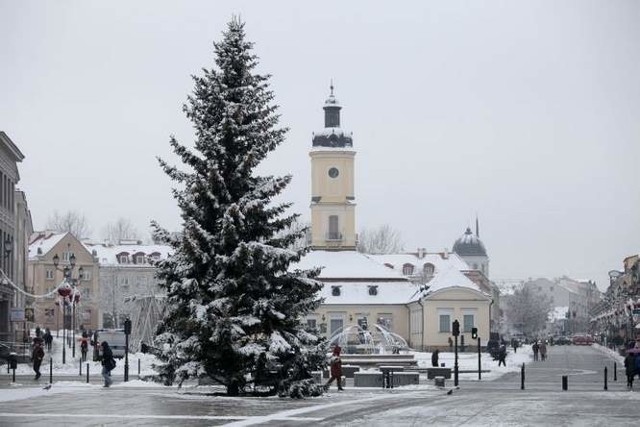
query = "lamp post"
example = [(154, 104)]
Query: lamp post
[(70, 297)]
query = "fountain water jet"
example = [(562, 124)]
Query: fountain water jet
[(377, 339)]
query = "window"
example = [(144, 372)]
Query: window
[(139, 259), (407, 269), (66, 255), (428, 269), (123, 258), (373, 290), (335, 325), (49, 274), (334, 233), (467, 322), (335, 291), (86, 293), (445, 323)]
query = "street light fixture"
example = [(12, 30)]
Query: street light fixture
[(70, 296)]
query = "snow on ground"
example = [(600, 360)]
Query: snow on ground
[(18, 390)]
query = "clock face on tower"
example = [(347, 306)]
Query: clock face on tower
[(334, 172)]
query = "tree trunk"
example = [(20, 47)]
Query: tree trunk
[(233, 389)]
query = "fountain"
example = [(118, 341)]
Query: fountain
[(360, 339)]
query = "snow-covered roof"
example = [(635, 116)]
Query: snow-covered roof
[(41, 243), (347, 265), (358, 293), (450, 278), (107, 254), (332, 131), (439, 262)]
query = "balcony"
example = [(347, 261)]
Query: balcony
[(333, 237)]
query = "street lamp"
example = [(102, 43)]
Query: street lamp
[(70, 297)]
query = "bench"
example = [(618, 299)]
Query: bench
[(439, 372), (374, 379)]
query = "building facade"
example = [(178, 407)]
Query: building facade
[(11, 281), (45, 279), (126, 273)]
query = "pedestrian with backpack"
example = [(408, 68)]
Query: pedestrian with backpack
[(108, 363)]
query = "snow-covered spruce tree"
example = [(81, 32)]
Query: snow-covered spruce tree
[(233, 305)]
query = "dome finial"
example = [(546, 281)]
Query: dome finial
[(331, 87)]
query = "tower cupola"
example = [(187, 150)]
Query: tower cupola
[(332, 135)]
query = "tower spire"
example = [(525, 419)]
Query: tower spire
[(331, 87), (477, 227)]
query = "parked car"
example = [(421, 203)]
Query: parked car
[(582, 339), (562, 341)]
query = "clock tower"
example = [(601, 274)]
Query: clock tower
[(332, 197)]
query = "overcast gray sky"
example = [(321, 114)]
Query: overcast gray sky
[(527, 113)]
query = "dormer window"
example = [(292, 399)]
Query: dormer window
[(123, 258), (428, 269), (335, 291), (386, 264), (407, 269), (373, 290), (139, 258)]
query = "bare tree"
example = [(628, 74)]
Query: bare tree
[(382, 240), (72, 222), (122, 229), (527, 310)]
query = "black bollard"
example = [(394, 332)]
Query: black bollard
[(51, 370), (522, 377), (605, 378), (615, 371), (87, 373), (80, 368), (138, 368), (14, 375), (565, 382)]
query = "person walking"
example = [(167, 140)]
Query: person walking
[(630, 368), (84, 347), (502, 355), (434, 358), (48, 339), (108, 363), (543, 350), (37, 355), (335, 364), (535, 347)]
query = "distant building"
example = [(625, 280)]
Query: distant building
[(45, 280), (125, 272), (416, 296)]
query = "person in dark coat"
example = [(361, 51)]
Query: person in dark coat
[(37, 356), (630, 369), (535, 347), (502, 355), (108, 363), (434, 358), (48, 339), (335, 364)]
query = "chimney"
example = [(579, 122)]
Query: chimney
[(445, 254), (421, 253)]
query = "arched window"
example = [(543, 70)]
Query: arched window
[(373, 290)]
